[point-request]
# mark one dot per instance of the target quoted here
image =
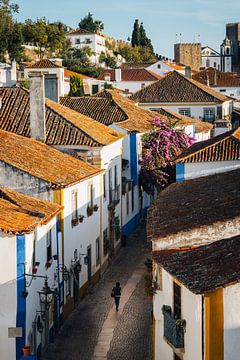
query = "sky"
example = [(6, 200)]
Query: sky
[(163, 19)]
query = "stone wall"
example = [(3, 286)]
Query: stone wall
[(188, 55)]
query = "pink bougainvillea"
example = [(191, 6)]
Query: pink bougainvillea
[(160, 148)]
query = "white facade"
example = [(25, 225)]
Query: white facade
[(198, 169), (8, 74), (191, 312), (163, 67), (210, 58), (91, 86), (201, 111), (57, 71), (232, 91), (14, 253), (95, 42)]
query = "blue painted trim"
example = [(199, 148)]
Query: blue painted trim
[(131, 225), (180, 172), (144, 212), (133, 158), (21, 302)]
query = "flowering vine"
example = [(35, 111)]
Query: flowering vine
[(160, 148)]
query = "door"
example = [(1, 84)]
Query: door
[(177, 301), (89, 265), (75, 287)]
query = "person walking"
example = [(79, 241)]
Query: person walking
[(116, 293)]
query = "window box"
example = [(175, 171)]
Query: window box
[(173, 328), (74, 222), (90, 210)]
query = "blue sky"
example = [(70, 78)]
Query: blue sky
[(163, 19)]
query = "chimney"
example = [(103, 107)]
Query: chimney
[(37, 106), (188, 72), (118, 75)]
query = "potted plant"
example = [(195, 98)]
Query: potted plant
[(80, 218), (48, 264), (95, 207), (55, 257), (149, 289), (26, 350), (148, 263), (74, 222), (89, 210), (34, 270)]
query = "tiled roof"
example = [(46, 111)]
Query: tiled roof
[(173, 65), (191, 204), (136, 65), (206, 268), (21, 214), (68, 73), (224, 147), (217, 78), (200, 126), (130, 75), (43, 64), (43, 161), (63, 126), (175, 88), (110, 107)]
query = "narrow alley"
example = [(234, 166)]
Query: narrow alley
[(95, 330)]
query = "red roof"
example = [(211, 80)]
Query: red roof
[(130, 75), (68, 73)]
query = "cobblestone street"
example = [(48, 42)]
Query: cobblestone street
[(129, 338)]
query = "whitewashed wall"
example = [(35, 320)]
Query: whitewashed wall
[(191, 312), (231, 322), (131, 86), (164, 68), (194, 170), (8, 294), (229, 91)]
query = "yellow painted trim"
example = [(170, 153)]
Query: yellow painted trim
[(213, 325), (58, 197)]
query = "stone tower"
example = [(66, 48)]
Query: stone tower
[(226, 55), (188, 54)]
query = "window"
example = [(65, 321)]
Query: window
[(90, 194), (185, 112), (159, 66), (95, 89), (105, 242), (215, 64), (209, 114), (104, 187), (49, 245), (74, 205), (222, 90), (110, 185), (207, 63), (115, 177), (126, 90), (88, 41), (77, 41), (143, 85), (177, 301), (97, 251), (127, 197)]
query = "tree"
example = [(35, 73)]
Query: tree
[(144, 40), (160, 149), (10, 31), (137, 54), (109, 61), (89, 24), (47, 37), (136, 34), (76, 86)]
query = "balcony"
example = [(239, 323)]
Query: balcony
[(173, 328)]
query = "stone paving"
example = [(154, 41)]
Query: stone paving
[(130, 335)]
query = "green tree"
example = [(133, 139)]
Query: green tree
[(10, 31), (136, 34), (89, 24), (76, 86), (47, 37), (144, 40)]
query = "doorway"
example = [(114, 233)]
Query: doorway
[(89, 265), (75, 286)]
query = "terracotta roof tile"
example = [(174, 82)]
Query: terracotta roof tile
[(130, 75), (68, 73), (216, 78), (206, 268), (43, 161), (192, 204), (43, 64), (224, 147), (21, 214), (176, 87), (63, 126), (110, 107)]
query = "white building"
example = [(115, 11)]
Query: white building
[(8, 74), (91, 85), (210, 58), (81, 38), (186, 97), (163, 67), (195, 281), (208, 157), (28, 236), (128, 80), (122, 115)]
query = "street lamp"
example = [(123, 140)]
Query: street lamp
[(46, 297)]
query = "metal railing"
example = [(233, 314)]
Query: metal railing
[(173, 329)]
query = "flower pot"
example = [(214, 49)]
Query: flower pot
[(26, 350), (55, 257), (95, 208), (34, 270)]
